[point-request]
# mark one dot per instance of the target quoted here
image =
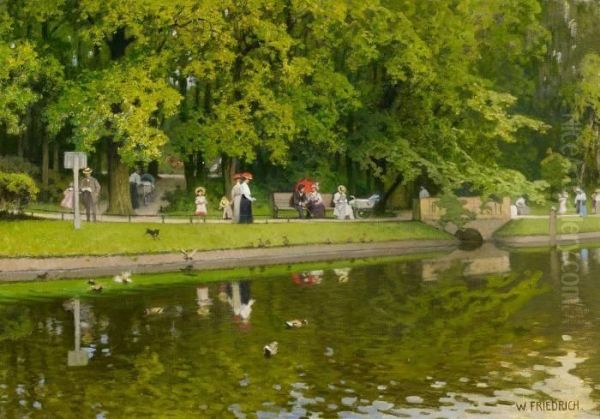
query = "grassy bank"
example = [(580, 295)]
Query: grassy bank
[(57, 238), (539, 227)]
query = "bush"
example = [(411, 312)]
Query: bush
[(16, 190), (555, 170), (16, 164)]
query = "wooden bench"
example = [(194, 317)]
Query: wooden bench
[(281, 201)]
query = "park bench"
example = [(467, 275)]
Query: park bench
[(281, 201)]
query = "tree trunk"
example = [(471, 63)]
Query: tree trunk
[(20, 139), (153, 168), (56, 156), (229, 166), (188, 173), (119, 200), (380, 208), (350, 174), (45, 165)]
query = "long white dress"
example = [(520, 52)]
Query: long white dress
[(342, 209), (562, 203), (236, 197)]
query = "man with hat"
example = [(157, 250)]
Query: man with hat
[(236, 197), (90, 192)]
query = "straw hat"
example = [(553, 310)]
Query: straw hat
[(237, 176), (200, 189), (87, 171), (341, 189), (247, 175)]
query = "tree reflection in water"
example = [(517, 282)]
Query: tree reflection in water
[(379, 338)]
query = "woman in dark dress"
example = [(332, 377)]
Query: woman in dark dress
[(299, 200), (316, 206), (246, 200)]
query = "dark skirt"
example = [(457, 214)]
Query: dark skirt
[(134, 195), (316, 210), (245, 211)]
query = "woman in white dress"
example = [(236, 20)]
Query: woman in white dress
[(342, 209), (562, 202), (236, 197)]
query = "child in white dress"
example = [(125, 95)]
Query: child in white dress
[(201, 201)]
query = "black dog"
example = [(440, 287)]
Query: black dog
[(153, 233)]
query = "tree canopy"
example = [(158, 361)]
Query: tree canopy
[(442, 93)]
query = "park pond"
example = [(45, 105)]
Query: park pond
[(465, 334)]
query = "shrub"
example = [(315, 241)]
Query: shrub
[(16, 164), (16, 190), (555, 170)]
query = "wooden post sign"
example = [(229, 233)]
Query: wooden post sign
[(75, 160)]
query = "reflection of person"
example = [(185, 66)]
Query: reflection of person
[(584, 257), (90, 192), (423, 193), (315, 205), (236, 197), (343, 274), (580, 202), (225, 205), (240, 300), (562, 202), (299, 200), (246, 200), (201, 201), (342, 209), (134, 181), (68, 196), (203, 300)]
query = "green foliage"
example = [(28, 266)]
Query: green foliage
[(16, 190), (125, 103), (16, 164), (454, 211), (555, 170)]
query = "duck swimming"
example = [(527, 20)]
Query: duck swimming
[(295, 324), (270, 349)]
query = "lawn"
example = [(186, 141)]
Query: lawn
[(57, 238), (539, 227)]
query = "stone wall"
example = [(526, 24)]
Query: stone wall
[(427, 209)]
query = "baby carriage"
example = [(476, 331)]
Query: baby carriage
[(146, 188), (363, 208)]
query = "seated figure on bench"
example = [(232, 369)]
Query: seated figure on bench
[(299, 200), (315, 204)]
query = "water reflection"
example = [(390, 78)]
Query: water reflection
[(381, 340), (78, 357), (487, 259)]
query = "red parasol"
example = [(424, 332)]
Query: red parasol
[(308, 184)]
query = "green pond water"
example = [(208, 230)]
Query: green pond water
[(466, 334)]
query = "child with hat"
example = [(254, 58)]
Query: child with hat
[(201, 201)]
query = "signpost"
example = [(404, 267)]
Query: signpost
[(75, 160)]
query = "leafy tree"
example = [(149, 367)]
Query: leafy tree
[(555, 170)]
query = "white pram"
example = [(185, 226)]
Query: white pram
[(146, 190), (363, 208)]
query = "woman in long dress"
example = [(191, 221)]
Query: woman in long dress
[(236, 197), (342, 209), (562, 202), (246, 200), (316, 206)]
